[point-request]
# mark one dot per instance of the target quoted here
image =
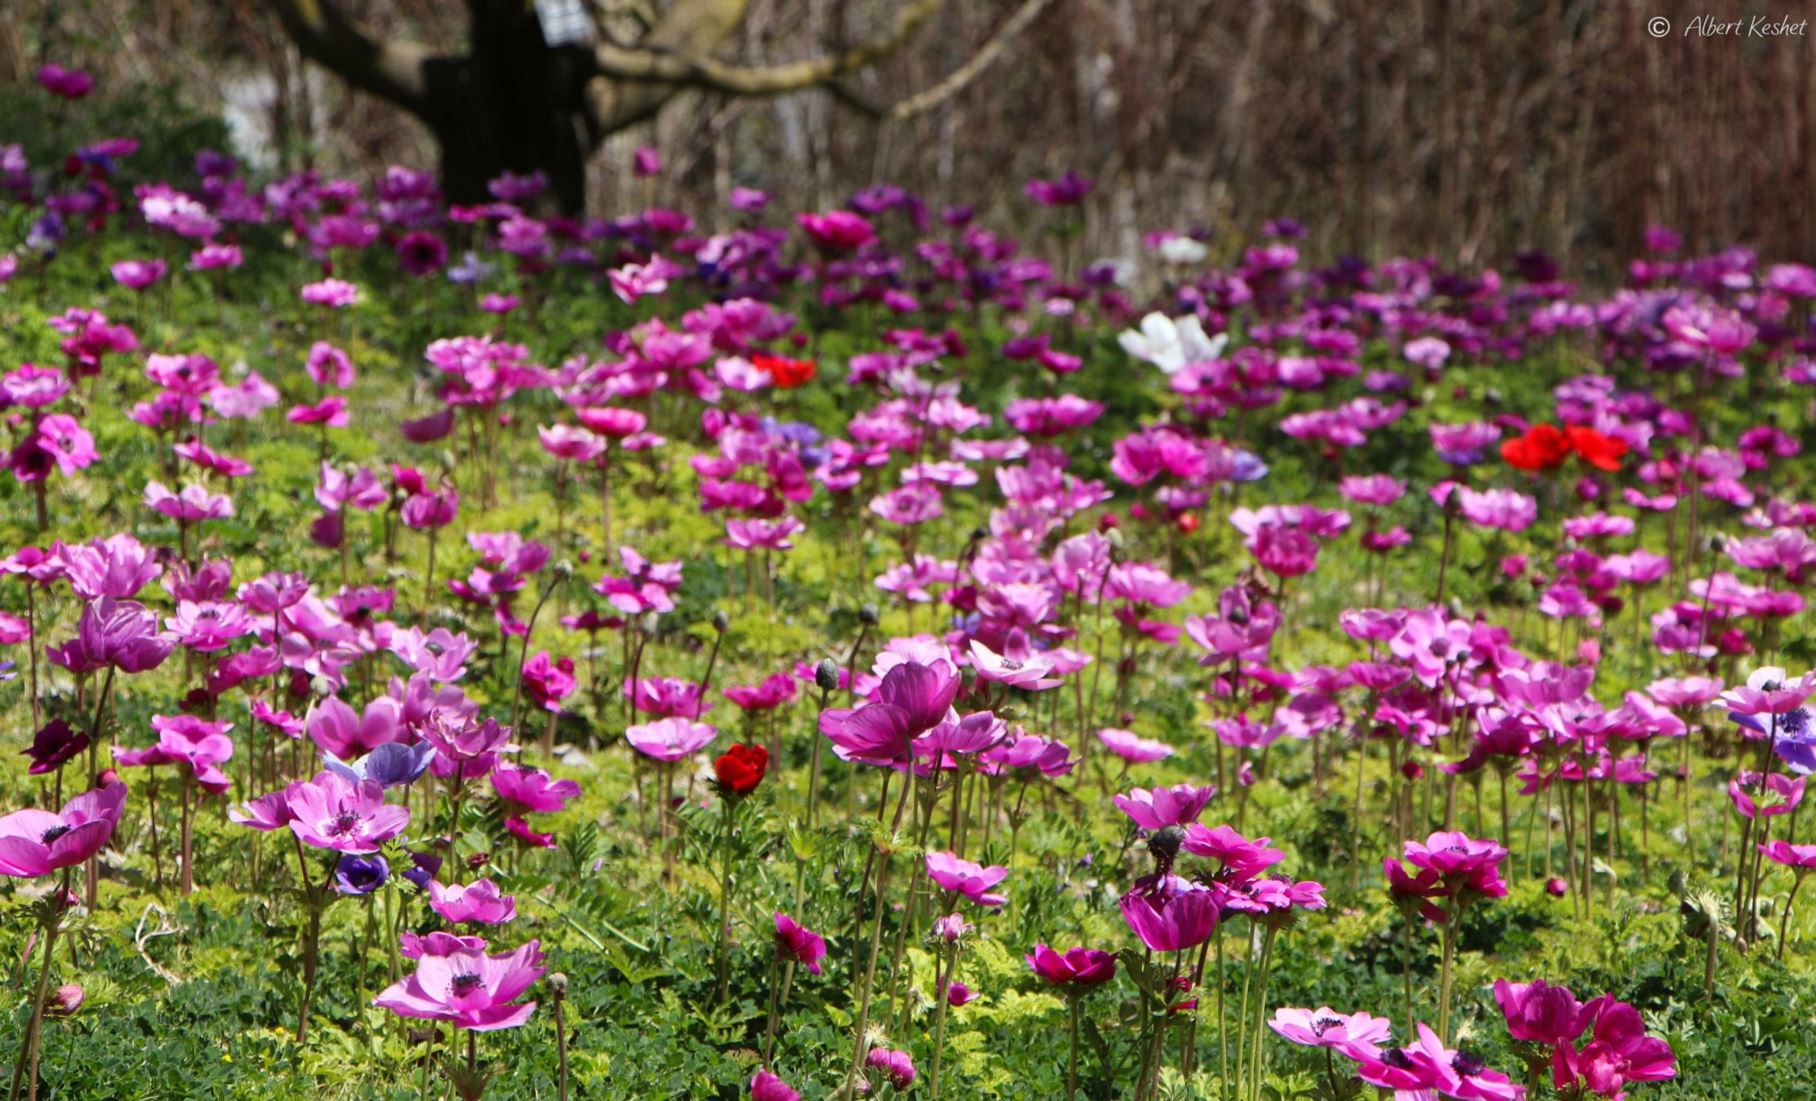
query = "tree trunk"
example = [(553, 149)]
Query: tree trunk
[(513, 105)]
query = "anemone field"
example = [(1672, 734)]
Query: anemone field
[(457, 651)]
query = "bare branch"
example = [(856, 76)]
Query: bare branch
[(389, 70), (694, 27), (973, 67), (690, 66)]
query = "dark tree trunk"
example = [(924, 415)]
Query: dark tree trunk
[(513, 105)]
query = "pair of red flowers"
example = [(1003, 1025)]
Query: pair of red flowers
[(741, 769), (1546, 447)]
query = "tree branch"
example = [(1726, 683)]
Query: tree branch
[(694, 27), (973, 67), (691, 67), (390, 70)]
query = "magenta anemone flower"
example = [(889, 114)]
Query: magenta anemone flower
[(55, 743), (911, 699), (192, 505), (332, 812), (268, 812), (186, 740), (1163, 807), (439, 655), (775, 690), (767, 1087), (1776, 794), (477, 903), (468, 988), (795, 941), (1769, 691), (1171, 915), (1356, 1035), (1541, 1013), (1077, 967), (1800, 858), (896, 1066), (671, 739), (1619, 1052), (962, 876), (1467, 866), (346, 734), (1242, 858), (531, 790), (837, 230), (1428, 1065), (1019, 665), (548, 680), (1132, 748), (118, 633), (37, 842), (117, 566), (412, 946)]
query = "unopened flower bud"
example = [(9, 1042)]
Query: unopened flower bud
[(867, 615), (558, 982), (721, 622), (826, 675), (1164, 844), (67, 999)]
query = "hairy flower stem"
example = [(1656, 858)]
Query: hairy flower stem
[(188, 835), (1406, 975), (605, 504), (1452, 929), (1072, 1058), (725, 855), (942, 977), (876, 937), (28, 1045), (561, 1056), (813, 778), (428, 581), (523, 653), (1784, 919), (1260, 1029), (769, 1028)]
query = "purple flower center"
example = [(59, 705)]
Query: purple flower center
[(343, 825), (1397, 1059), (1325, 1024), (53, 833), (464, 984), (1468, 1065)]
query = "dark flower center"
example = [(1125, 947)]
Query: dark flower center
[(344, 824), (464, 985), (1794, 723), (1468, 1065), (1325, 1024), (53, 833), (1397, 1059)]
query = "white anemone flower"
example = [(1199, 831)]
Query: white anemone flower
[(1171, 344)]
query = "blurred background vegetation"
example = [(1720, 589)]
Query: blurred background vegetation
[(1467, 129)]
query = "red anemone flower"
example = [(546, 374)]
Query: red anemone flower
[(1598, 450), (1543, 447), (787, 373)]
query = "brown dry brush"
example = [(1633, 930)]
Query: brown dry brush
[(1466, 129)]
